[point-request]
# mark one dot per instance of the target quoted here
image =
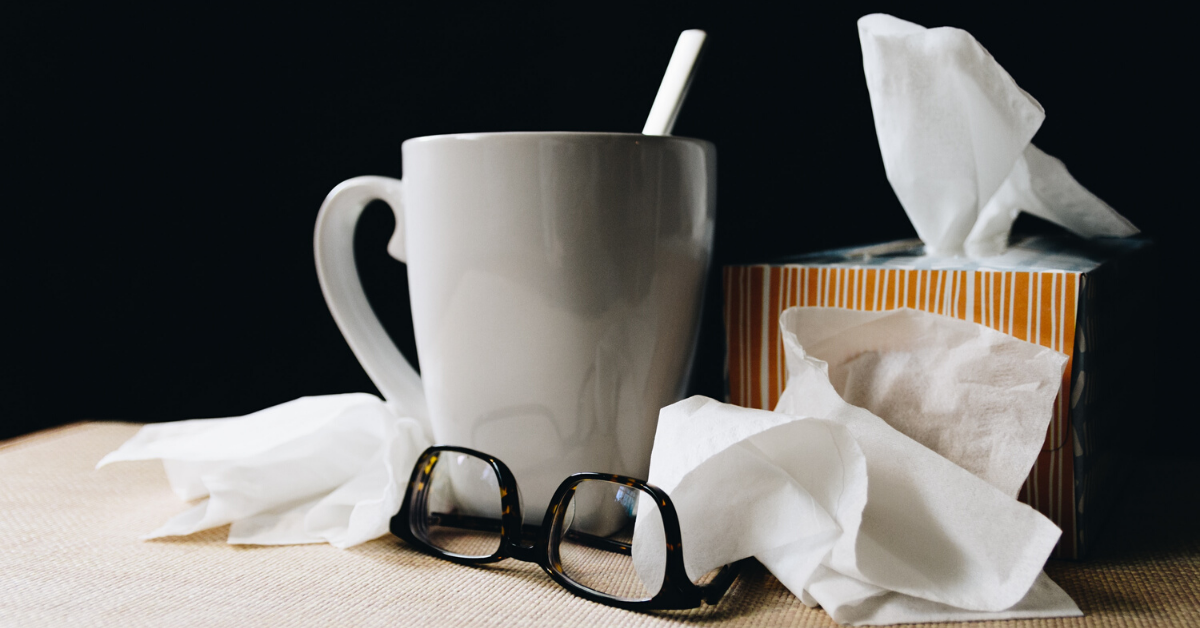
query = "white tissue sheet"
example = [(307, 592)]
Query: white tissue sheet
[(317, 469), (1040, 185), (954, 131), (848, 512), (979, 397)]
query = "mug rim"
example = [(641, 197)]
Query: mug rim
[(543, 134)]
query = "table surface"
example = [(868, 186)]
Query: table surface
[(69, 555)]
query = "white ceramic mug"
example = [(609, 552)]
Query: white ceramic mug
[(556, 282)]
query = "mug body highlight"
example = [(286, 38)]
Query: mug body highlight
[(556, 282)]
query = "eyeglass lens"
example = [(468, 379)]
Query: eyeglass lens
[(603, 546), (461, 509)]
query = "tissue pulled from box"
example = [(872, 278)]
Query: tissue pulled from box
[(317, 469), (954, 131), (849, 512), (978, 397)]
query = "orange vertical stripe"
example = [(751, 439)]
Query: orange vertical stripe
[(997, 288), (962, 296), (853, 276), (860, 282), (998, 304), (872, 282), (823, 286), (923, 290), (1020, 304), (1045, 309), (842, 288), (794, 273), (811, 294), (931, 285), (985, 297), (1011, 308), (940, 299), (977, 306), (829, 293), (846, 287), (889, 293), (910, 286), (773, 337), (863, 297)]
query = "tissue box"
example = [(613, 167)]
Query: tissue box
[(1089, 299)]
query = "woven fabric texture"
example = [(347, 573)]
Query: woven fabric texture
[(69, 555)]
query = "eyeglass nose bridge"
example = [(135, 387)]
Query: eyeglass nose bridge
[(529, 553)]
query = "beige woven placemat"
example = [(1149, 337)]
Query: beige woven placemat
[(69, 555)]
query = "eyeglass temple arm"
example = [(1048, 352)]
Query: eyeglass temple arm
[(715, 589)]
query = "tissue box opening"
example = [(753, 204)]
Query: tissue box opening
[(1086, 299)]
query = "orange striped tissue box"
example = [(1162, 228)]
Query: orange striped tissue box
[(1086, 299)]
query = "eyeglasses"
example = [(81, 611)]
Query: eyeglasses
[(465, 506)]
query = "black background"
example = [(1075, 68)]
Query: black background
[(166, 163)]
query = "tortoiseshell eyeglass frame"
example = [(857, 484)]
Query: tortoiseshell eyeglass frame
[(677, 590)]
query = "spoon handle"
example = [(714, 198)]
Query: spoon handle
[(675, 83)]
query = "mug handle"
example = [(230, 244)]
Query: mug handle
[(333, 245)]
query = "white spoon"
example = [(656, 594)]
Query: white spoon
[(675, 83)]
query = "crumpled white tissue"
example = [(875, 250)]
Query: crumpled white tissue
[(977, 396), (954, 130), (317, 469), (848, 512)]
